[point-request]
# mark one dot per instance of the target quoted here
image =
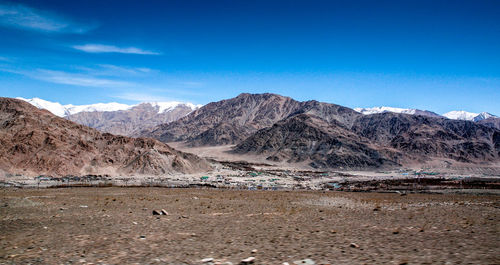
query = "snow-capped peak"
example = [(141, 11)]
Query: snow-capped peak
[(375, 110), (461, 115), (170, 105), (484, 116), (54, 107), (112, 106), (70, 109)]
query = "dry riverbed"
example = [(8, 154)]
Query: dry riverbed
[(116, 226)]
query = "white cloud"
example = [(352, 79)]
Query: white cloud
[(20, 16), (60, 77), (116, 70), (100, 48), (66, 78)]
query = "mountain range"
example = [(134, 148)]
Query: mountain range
[(118, 118), (311, 133), (326, 135), (37, 142), (454, 115), (173, 106)]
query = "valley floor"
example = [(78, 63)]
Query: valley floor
[(116, 226)]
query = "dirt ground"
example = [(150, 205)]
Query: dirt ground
[(116, 226)]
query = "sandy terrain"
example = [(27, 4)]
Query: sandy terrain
[(116, 226)]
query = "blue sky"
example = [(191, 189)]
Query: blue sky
[(435, 55)]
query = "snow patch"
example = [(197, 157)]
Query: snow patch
[(376, 110), (461, 115), (168, 106)]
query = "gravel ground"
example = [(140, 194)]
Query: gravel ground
[(116, 226)]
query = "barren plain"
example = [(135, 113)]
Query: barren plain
[(218, 226)]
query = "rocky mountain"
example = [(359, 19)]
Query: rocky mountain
[(305, 138), (132, 121), (231, 121), (376, 110), (428, 137), (493, 122), (35, 141), (373, 141), (116, 118)]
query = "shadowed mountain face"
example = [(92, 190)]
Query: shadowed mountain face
[(463, 141), (328, 135), (378, 140), (491, 122), (231, 121), (129, 122), (320, 144), (34, 141)]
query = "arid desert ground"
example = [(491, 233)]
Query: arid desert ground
[(217, 226)]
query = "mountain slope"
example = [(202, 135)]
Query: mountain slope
[(132, 121), (492, 122), (230, 121), (320, 144), (116, 118), (34, 141), (463, 141)]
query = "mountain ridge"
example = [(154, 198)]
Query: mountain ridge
[(36, 142)]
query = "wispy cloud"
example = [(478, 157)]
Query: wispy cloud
[(100, 48), (24, 17), (67, 78), (116, 70)]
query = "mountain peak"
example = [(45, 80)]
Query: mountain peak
[(468, 116), (383, 109)]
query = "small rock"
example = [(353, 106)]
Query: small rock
[(395, 232), (207, 260), (155, 212), (305, 261), (84, 206), (285, 263), (248, 260), (163, 212), (134, 223), (254, 250), (354, 245), (142, 237)]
